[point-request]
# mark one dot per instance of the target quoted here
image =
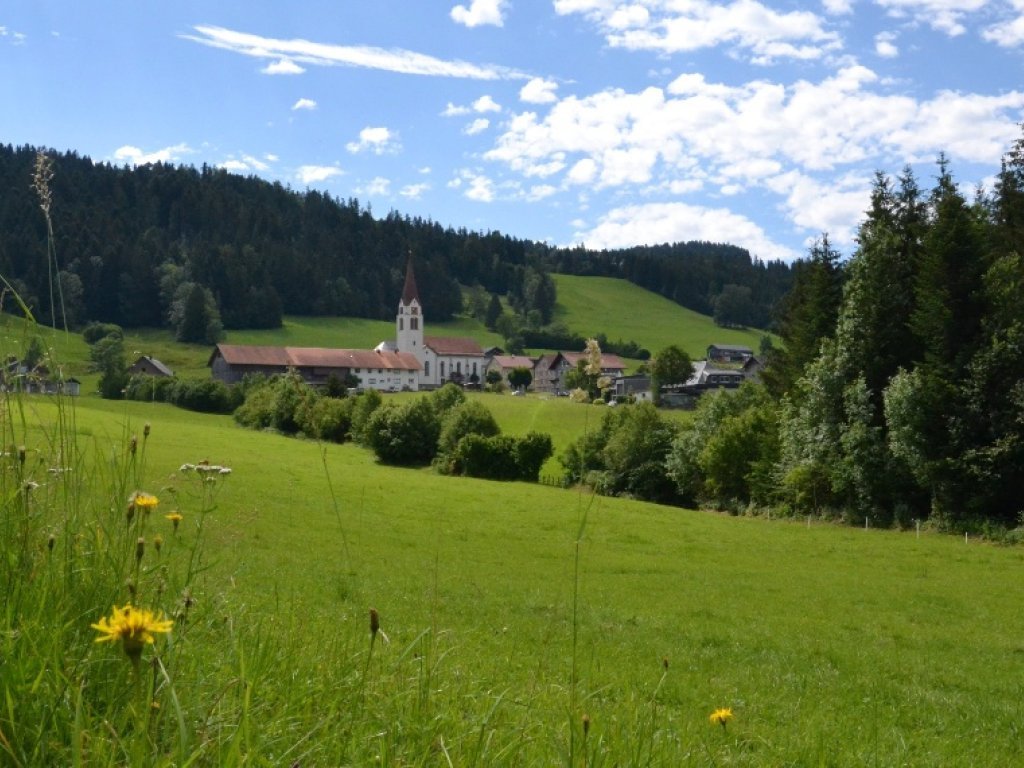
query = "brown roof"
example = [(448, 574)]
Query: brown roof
[(316, 357), (546, 361), (513, 361), (453, 345), (608, 360)]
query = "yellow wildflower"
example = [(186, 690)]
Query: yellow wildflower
[(134, 627), (145, 501), (175, 518), (721, 716)]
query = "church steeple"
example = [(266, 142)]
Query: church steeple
[(409, 292), (409, 320)]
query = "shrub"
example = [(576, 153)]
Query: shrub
[(470, 418), (365, 405), (327, 418), (277, 403), (405, 435), (203, 395), (447, 397), (149, 388), (93, 332), (502, 457)]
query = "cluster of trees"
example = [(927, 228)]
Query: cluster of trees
[(898, 394), (199, 250), (458, 435)]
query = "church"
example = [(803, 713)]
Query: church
[(411, 362)]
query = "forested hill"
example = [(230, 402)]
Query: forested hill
[(131, 242)]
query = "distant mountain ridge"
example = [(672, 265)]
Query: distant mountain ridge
[(127, 239)]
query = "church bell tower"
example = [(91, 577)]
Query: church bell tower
[(409, 321)]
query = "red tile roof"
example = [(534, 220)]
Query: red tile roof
[(448, 345), (316, 357)]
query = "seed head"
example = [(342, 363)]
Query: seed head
[(586, 724), (50, 542), (133, 444), (374, 621), (140, 548), (21, 454), (145, 430)]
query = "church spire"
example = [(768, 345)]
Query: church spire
[(409, 292)]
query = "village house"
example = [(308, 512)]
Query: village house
[(729, 353), (149, 366), (611, 366), (505, 364)]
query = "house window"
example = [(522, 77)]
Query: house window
[(458, 366), (442, 369), (474, 369), (426, 368), (413, 310), (401, 324), (414, 323)]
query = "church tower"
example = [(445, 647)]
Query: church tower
[(409, 321)]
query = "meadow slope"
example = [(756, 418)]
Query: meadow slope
[(513, 610)]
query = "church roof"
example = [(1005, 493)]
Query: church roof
[(315, 357), (453, 345), (409, 291)]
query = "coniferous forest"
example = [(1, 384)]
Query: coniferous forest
[(135, 245)]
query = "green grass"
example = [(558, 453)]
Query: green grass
[(833, 646), (627, 312)]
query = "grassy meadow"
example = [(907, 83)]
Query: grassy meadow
[(526, 625), (591, 305)]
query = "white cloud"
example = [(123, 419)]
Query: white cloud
[(378, 140), (413, 191), (942, 15), (540, 191), (377, 187), (304, 104), (885, 45), (425, 169), (282, 67), (289, 54), (480, 12), (478, 187), (486, 104), (135, 156), (763, 33), (311, 174), (1009, 32), (653, 223), (835, 207), (539, 91), (838, 7), (695, 134), (479, 125), (247, 164)]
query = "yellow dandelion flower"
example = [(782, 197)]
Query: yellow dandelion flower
[(175, 518), (145, 501), (721, 716), (134, 627)]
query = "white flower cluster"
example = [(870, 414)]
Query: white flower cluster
[(205, 468)]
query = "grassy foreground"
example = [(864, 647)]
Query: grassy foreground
[(514, 615)]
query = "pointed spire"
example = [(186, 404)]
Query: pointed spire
[(409, 292)]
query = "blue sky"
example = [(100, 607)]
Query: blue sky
[(755, 122)]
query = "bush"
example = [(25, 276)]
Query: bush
[(93, 332), (502, 457), (447, 397), (204, 395), (365, 405), (327, 418), (149, 388), (277, 403), (405, 435), (470, 418)]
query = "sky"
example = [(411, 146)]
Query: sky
[(606, 123)]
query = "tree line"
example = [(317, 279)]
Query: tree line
[(201, 249), (897, 394)]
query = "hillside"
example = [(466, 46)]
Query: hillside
[(512, 612), (622, 310)]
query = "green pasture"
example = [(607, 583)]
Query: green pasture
[(513, 612), (621, 310)]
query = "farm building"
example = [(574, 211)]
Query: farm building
[(149, 366)]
